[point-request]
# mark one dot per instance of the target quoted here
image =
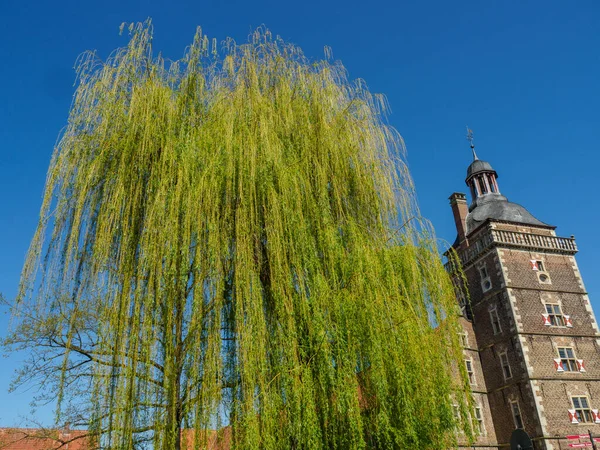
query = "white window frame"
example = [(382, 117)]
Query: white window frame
[(496, 327), (584, 415), (556, 320), (479, 419), (504, 359), (471, 373), (514, 403), (569, 362)]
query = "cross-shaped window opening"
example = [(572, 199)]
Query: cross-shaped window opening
[(555, 315), (582, 409), (567, 359)]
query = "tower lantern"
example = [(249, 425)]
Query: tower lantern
[(481, 178)]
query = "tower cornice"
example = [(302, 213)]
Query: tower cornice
[(490, 237)]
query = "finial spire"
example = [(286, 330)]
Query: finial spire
[(470, 139)]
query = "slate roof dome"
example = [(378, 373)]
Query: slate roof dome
[(479, 166), (497, 207), (488, 203)]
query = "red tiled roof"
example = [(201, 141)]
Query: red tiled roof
[(39, 439), (213, 440)]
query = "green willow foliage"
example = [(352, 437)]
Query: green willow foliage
[(227, 242)]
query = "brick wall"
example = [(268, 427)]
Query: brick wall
[(479, 389), (554, 388), (518, 295)]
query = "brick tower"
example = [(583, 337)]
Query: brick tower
[(531, 340)]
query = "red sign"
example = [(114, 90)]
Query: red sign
[(578, 436), (582, 445)]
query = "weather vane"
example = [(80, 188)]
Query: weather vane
[(470, 139)]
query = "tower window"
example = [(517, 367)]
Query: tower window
[(464, 339), (486, 282), (567, 359), (483, 272), (465, 306), (470, 372), (555, 315), (505, 366), (468, 312), (482, 186), (582, 409), (495, 320), (479, 419), (537, 265), (516, 413), (456, 411), (544, 278), (492, 184)]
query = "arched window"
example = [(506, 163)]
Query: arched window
[(492, 183), (482, 186)]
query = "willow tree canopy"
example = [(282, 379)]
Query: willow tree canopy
[(227, 243)]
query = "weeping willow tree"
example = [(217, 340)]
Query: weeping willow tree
[(227, 242)]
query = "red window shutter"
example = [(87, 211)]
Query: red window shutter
[(596, 416), (546, 319), (580, 365), (533, 263), (568, 321), (558, 365), (573, 416)]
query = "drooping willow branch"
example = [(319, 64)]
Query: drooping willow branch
[(238, 222)]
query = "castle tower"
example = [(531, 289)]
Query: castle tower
[(530, 331)]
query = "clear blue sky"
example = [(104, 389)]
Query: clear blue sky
[(523, 75)]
